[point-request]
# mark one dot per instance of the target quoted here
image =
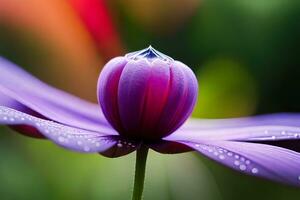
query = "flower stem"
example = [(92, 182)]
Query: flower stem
[(140, 168)]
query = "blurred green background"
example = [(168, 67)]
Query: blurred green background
[(245, 54)]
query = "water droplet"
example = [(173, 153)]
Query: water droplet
[(197, 145), (79, 143), (254, 170), (97, 144), (5, 118), (237, 156), (247, 162), (86, 148), (273, 137), (237, 163), (119, 145), (243, 167), (299, 178), (61, 139), (229, 154), (222, 157)]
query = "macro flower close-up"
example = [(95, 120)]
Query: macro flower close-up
[(240, 123)]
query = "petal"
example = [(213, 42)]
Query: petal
[(107, 90), (181, 99), (132, 92), (261, 129), (24, 89), (68, 137), (281, 119), (265, 161), (156, 97), (169, 147)]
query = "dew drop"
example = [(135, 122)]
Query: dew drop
[(273, 137), (237, 163), (119, 145), (222, 157), (97, 144), (79, 143), (254, 170), (247, 162), (86, 148), (243, 167), (61, 139)]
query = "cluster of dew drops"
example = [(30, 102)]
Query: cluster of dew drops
[(232, 159), (77, 139)]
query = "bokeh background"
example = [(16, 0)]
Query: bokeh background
[(245, 54)]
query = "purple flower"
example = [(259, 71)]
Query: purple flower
[(146, 95), (145, 99)]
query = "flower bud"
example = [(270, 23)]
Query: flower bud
[(146, 95)]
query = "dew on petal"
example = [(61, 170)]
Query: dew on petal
[(237, 163), (254, 170), (120, 145), (86, 148), (243, 167), (61, 139)]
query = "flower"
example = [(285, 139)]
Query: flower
[(145, 97)]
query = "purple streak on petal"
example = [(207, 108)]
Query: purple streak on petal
[(265, 161), (132, 93), (52, 103), (107, 90), (68, 137)]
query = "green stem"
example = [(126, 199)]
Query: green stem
[(140, 168)]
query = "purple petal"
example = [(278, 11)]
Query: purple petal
[(279, 119), (265, 161), (107, 90), (268, 128), (25, 90), (181, 99), (132, 92), (68, 137)]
